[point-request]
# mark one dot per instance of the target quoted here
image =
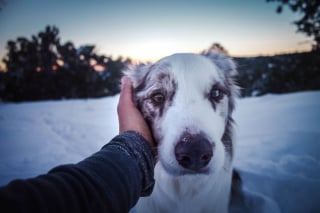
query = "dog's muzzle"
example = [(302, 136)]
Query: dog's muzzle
[(193, 151)]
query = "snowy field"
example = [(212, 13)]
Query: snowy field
[(278, 143)]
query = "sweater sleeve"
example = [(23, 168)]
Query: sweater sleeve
[(111, 180)]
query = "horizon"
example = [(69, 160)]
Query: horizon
[(149, 30)]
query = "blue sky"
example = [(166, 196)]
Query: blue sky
[(149, 30)]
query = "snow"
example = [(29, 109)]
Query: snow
[(278, 149), (277, 155), (35, 137)]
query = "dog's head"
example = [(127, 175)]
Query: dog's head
[(188, 100)]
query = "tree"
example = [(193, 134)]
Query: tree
[(309, 23), (2, 4), (41, 68)]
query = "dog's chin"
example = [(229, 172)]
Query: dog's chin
[(180, 171)]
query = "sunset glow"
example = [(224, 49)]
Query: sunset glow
[(146, 31)]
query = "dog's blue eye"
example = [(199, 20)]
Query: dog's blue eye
[(216, 94), (158, 98)]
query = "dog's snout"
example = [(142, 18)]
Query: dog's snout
[(193, 152)]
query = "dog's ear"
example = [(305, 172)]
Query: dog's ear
[(229, 68), (224, 62), (137, 74)]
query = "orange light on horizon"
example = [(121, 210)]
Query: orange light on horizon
[(151, 50), (92, 62), (54, 67), (98, 68), (60, 62)]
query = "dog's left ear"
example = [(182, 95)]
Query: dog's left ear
[(137, 73), (224, 62), (229, 69)]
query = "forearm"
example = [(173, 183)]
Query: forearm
[(111, 180)]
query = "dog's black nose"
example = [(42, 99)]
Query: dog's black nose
[(193, 151)]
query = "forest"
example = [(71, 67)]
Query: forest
[(43, 68)]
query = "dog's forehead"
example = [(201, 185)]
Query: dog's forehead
[(191, 67)]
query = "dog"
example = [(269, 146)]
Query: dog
[(188, 100)]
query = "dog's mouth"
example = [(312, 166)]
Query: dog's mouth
[(192, 172), (180, 171)]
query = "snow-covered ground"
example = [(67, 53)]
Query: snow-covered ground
[(278, 151), (278, 143)]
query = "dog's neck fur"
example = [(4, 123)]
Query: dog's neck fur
[(188, 193)]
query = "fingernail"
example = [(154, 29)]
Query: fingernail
[(124, 80)]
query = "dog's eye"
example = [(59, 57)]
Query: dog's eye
[(158, 98), (216, 94)]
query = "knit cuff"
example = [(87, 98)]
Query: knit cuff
[(135, 146)]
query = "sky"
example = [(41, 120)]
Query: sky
[(148, 30)]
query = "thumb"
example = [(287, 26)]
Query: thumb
[(125, 98)]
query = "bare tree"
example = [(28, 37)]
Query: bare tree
[(309, 23)]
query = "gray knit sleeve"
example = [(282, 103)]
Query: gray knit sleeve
[(135, 146)]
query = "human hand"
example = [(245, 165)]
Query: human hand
[(129, 116)]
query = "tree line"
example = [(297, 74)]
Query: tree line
[(279, 74), (276, 74), (288, 72), (43, 68)]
